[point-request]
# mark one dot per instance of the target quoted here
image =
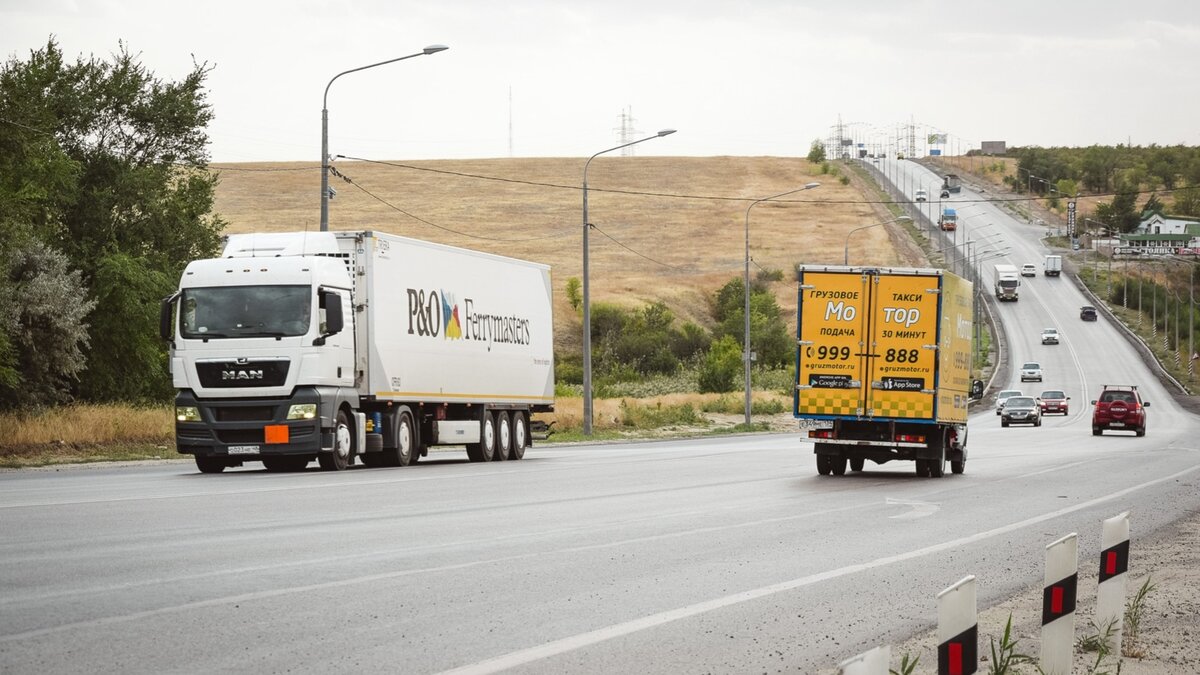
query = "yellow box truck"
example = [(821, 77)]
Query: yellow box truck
[(883, 366)]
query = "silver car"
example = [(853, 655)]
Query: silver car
[(1004, 396), (1031, 371)]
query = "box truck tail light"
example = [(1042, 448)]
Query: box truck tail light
[(820, 433), (909, 438)]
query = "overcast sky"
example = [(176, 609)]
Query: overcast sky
[(756, 77)]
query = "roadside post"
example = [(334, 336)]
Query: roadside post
[(873, 662), (958, 629), (1058, 606), (1114, 563)]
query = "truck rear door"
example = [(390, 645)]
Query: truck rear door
[(867, 345), (902, 358), (830, 358)]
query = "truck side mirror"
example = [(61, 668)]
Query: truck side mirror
[(976, 389), (165, 329), (331, 302)]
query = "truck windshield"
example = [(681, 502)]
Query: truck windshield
[(1008, 283), (245, 311)]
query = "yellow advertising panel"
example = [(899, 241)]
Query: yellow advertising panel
[(903, 347), (833, 326), (954, 349)]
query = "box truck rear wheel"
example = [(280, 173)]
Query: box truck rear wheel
[(503, 436), (856, 463), (343, 445), (838, 464), (520, 434)]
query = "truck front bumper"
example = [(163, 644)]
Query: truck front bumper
[(248, 428)]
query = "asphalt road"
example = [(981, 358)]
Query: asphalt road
[(713, 555)]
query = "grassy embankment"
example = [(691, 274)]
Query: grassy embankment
[(685, 216)]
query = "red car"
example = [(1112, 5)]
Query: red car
[(1119, 407), (1053, 401)]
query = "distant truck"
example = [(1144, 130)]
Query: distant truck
[(1007, 279), (337, 346), (883, 367), (948, 220), (952, 183), (1052, 266)]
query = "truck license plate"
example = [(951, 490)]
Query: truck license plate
[(243, 450), (816, 424)]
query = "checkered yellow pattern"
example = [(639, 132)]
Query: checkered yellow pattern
[(904, 405), (829, 402)]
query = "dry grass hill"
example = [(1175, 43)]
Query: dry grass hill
[(667, 228)]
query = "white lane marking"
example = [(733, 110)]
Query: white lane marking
[(561, 646), (919, 509)]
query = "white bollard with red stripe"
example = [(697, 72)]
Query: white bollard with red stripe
[(874, 662), (1114, 563), (958, 629), (1058, 606)]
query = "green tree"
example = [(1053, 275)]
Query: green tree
[(573, 296), (1121, 212), (816, 152), (43, 314), (768, 332), (1099, 165), (1187, 201), (721, 367), (109, 163)]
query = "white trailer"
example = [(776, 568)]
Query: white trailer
[(341, 345), (1007, 279)]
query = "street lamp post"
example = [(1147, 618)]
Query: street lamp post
[(431, 49), (587, 305), (846, 248), (746, 285)]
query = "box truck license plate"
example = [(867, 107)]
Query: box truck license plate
[(243, 450), (816, 424)]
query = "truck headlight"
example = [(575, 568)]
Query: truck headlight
[(187, 413), (302, 411)]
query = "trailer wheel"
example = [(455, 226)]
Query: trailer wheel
[(520, 435), (343, 446), (856, 463), (210, 464), (503, 436)]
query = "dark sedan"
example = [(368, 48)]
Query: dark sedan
[(1087, 313), (1021, 410)]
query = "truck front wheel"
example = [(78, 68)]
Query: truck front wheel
[(210, 464), (343, 445)]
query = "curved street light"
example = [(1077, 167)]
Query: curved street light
[(746, 285), (846, 249), (587, 305), (431, 49)]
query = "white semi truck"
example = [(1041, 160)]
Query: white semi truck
[(1007, 279), (339, 346)]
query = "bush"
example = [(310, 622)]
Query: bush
[(639, 416), (721, 367)]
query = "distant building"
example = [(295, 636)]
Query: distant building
[(1157, 223), (1160, 234), (993, 147)]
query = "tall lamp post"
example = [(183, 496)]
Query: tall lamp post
[(431, 49), (587, 305), (746, 284), (846, 249)]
